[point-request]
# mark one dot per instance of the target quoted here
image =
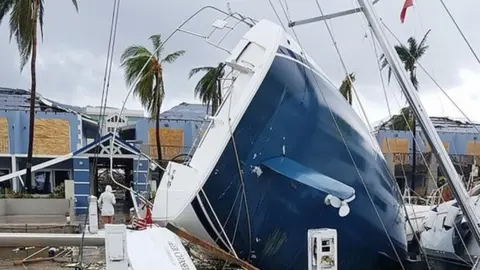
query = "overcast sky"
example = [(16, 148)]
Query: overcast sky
[(72, 57)]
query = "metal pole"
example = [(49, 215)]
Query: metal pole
[(49, 239), (430, 133)]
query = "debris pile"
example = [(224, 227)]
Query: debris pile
[(204, 261)]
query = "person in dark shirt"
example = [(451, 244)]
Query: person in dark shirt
[(128, 203)]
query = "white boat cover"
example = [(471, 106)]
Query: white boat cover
[(157, 247)]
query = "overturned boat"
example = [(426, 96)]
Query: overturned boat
[(285, 154)]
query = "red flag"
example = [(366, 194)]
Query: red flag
[(408, 3)]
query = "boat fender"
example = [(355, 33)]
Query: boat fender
[(449, 220)]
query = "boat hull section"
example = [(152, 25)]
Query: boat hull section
[(291, 116)]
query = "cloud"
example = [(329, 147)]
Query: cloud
[(72, 56), (465, 95)]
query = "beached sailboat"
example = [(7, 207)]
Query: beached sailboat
[(284, 154), (287, 150)]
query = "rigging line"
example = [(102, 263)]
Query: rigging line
[(460, 31), (350, 154), (431, 175), (228, 244), (434, 81), (402, 165), (102, 120), (353, 160), (278, 16), (330, 32), (240, 173), (139, 77)]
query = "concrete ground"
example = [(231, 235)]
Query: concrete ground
[(93, 257)]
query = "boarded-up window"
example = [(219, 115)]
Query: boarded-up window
[(428, 149), (171, 140), (3, 135), (473, 149), (51, 137), (395, 145)]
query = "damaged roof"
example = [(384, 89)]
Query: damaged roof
[(445, 124), (19, 100), (186, 111)]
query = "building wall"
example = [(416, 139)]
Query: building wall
[(176, 136), (455, 142), (56, 133)]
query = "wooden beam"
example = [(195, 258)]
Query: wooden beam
[(219, 253)]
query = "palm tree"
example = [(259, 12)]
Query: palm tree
[(398, 121), (149, 88), (409, 56), (25, 17), (347, 87), (209, 87)]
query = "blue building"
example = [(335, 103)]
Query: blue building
[(460, 139), (61, 150)]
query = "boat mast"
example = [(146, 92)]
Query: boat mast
[(430, 133)]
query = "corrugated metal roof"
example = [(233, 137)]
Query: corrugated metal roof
[(19, 100), (445, 124), (186, 111)]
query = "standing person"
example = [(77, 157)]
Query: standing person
[(106, 203)]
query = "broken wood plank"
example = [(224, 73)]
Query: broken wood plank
[(219, 253)]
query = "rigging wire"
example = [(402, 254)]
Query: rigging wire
[(436, 184), (344, 66), (460, 31), (278, 16), (392, 176), (236, 16), (350, 153), (106, 83), (434, 80), (461, 111), (429, 172), (432, 177), (242, 182)]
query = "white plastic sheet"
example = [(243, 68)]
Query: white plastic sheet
[(157, 248)]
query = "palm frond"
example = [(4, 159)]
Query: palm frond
[(21, 25), (424, 39), (173, 56), (346, 87), (41, 11), (133, 68), (75, 4), (134, 51), (5, 7), (194, 71), (157, 44)]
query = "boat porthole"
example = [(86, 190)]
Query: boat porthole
[(288, 41)]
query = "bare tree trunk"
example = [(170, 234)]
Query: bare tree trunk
[(414, 150), (33, 96), (158, 103)]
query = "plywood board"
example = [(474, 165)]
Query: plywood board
[(171, 140), (473, 149), (51, 137), (445, 144), (3, 135), (395, 145)]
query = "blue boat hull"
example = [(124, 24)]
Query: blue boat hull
[(290, 117)]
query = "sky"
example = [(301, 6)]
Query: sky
[(72, 55)]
